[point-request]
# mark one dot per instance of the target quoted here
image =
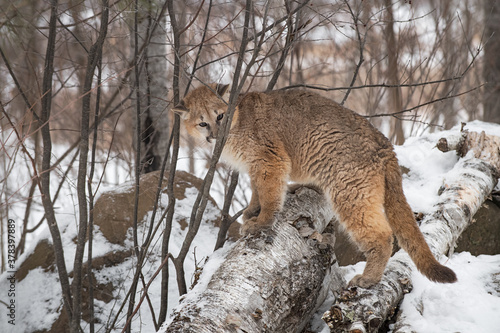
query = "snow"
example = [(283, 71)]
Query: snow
[(470, 305), (41, 293), (39, 297), (210, 267)]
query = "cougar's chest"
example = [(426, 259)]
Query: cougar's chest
[(234, 155)]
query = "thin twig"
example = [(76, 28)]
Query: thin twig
[(138, 254), (173, 163), (361, 42), (226, 220), (425, 104), (91, 200), (289, 41), (18, 86), (144, 293)]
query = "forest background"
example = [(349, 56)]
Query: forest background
[(89, 84)]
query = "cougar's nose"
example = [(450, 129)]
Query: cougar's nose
[(212, 136)]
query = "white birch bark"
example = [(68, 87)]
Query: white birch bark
[(270, 283), (466, 188)]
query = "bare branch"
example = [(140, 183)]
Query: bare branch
[(361, 42), (425, 104)]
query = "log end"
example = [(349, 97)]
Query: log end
[(485, 147), (333, 317), (442, 145)]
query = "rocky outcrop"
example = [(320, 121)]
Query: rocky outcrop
[(114, 210), (113, 216), (483, 235)]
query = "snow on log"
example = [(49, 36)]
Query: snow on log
[(269, 283), (467, 186)]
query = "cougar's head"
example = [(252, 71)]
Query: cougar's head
[(202, 111)]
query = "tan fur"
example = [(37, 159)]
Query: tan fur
[(299, 136)]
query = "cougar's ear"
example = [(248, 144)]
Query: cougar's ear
[(181, 110), (222, 90)]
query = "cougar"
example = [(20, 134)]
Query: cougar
[(300, 136)]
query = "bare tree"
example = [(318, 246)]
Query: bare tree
[(94, 58), (46, 165), (396, 104), (492, 61)]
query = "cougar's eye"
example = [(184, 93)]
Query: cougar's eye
[(203, 124), (219, 117)]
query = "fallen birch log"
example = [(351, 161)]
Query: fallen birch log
[(270, 283), (468, 185)]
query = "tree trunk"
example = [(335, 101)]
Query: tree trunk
[(395, 101), (491, 71), (270, 283), (153, 89), (469, 184)]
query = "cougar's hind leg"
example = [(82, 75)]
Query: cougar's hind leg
[(377, 248), (364, 218)]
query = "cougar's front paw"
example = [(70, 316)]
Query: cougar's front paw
[(361, 281), (252, 227), (251, 212)]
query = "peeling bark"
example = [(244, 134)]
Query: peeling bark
[(270, 283), (466, 188)]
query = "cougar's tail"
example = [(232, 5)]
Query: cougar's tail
[(407, 232)]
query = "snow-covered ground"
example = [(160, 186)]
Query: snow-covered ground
[(471, 305)]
